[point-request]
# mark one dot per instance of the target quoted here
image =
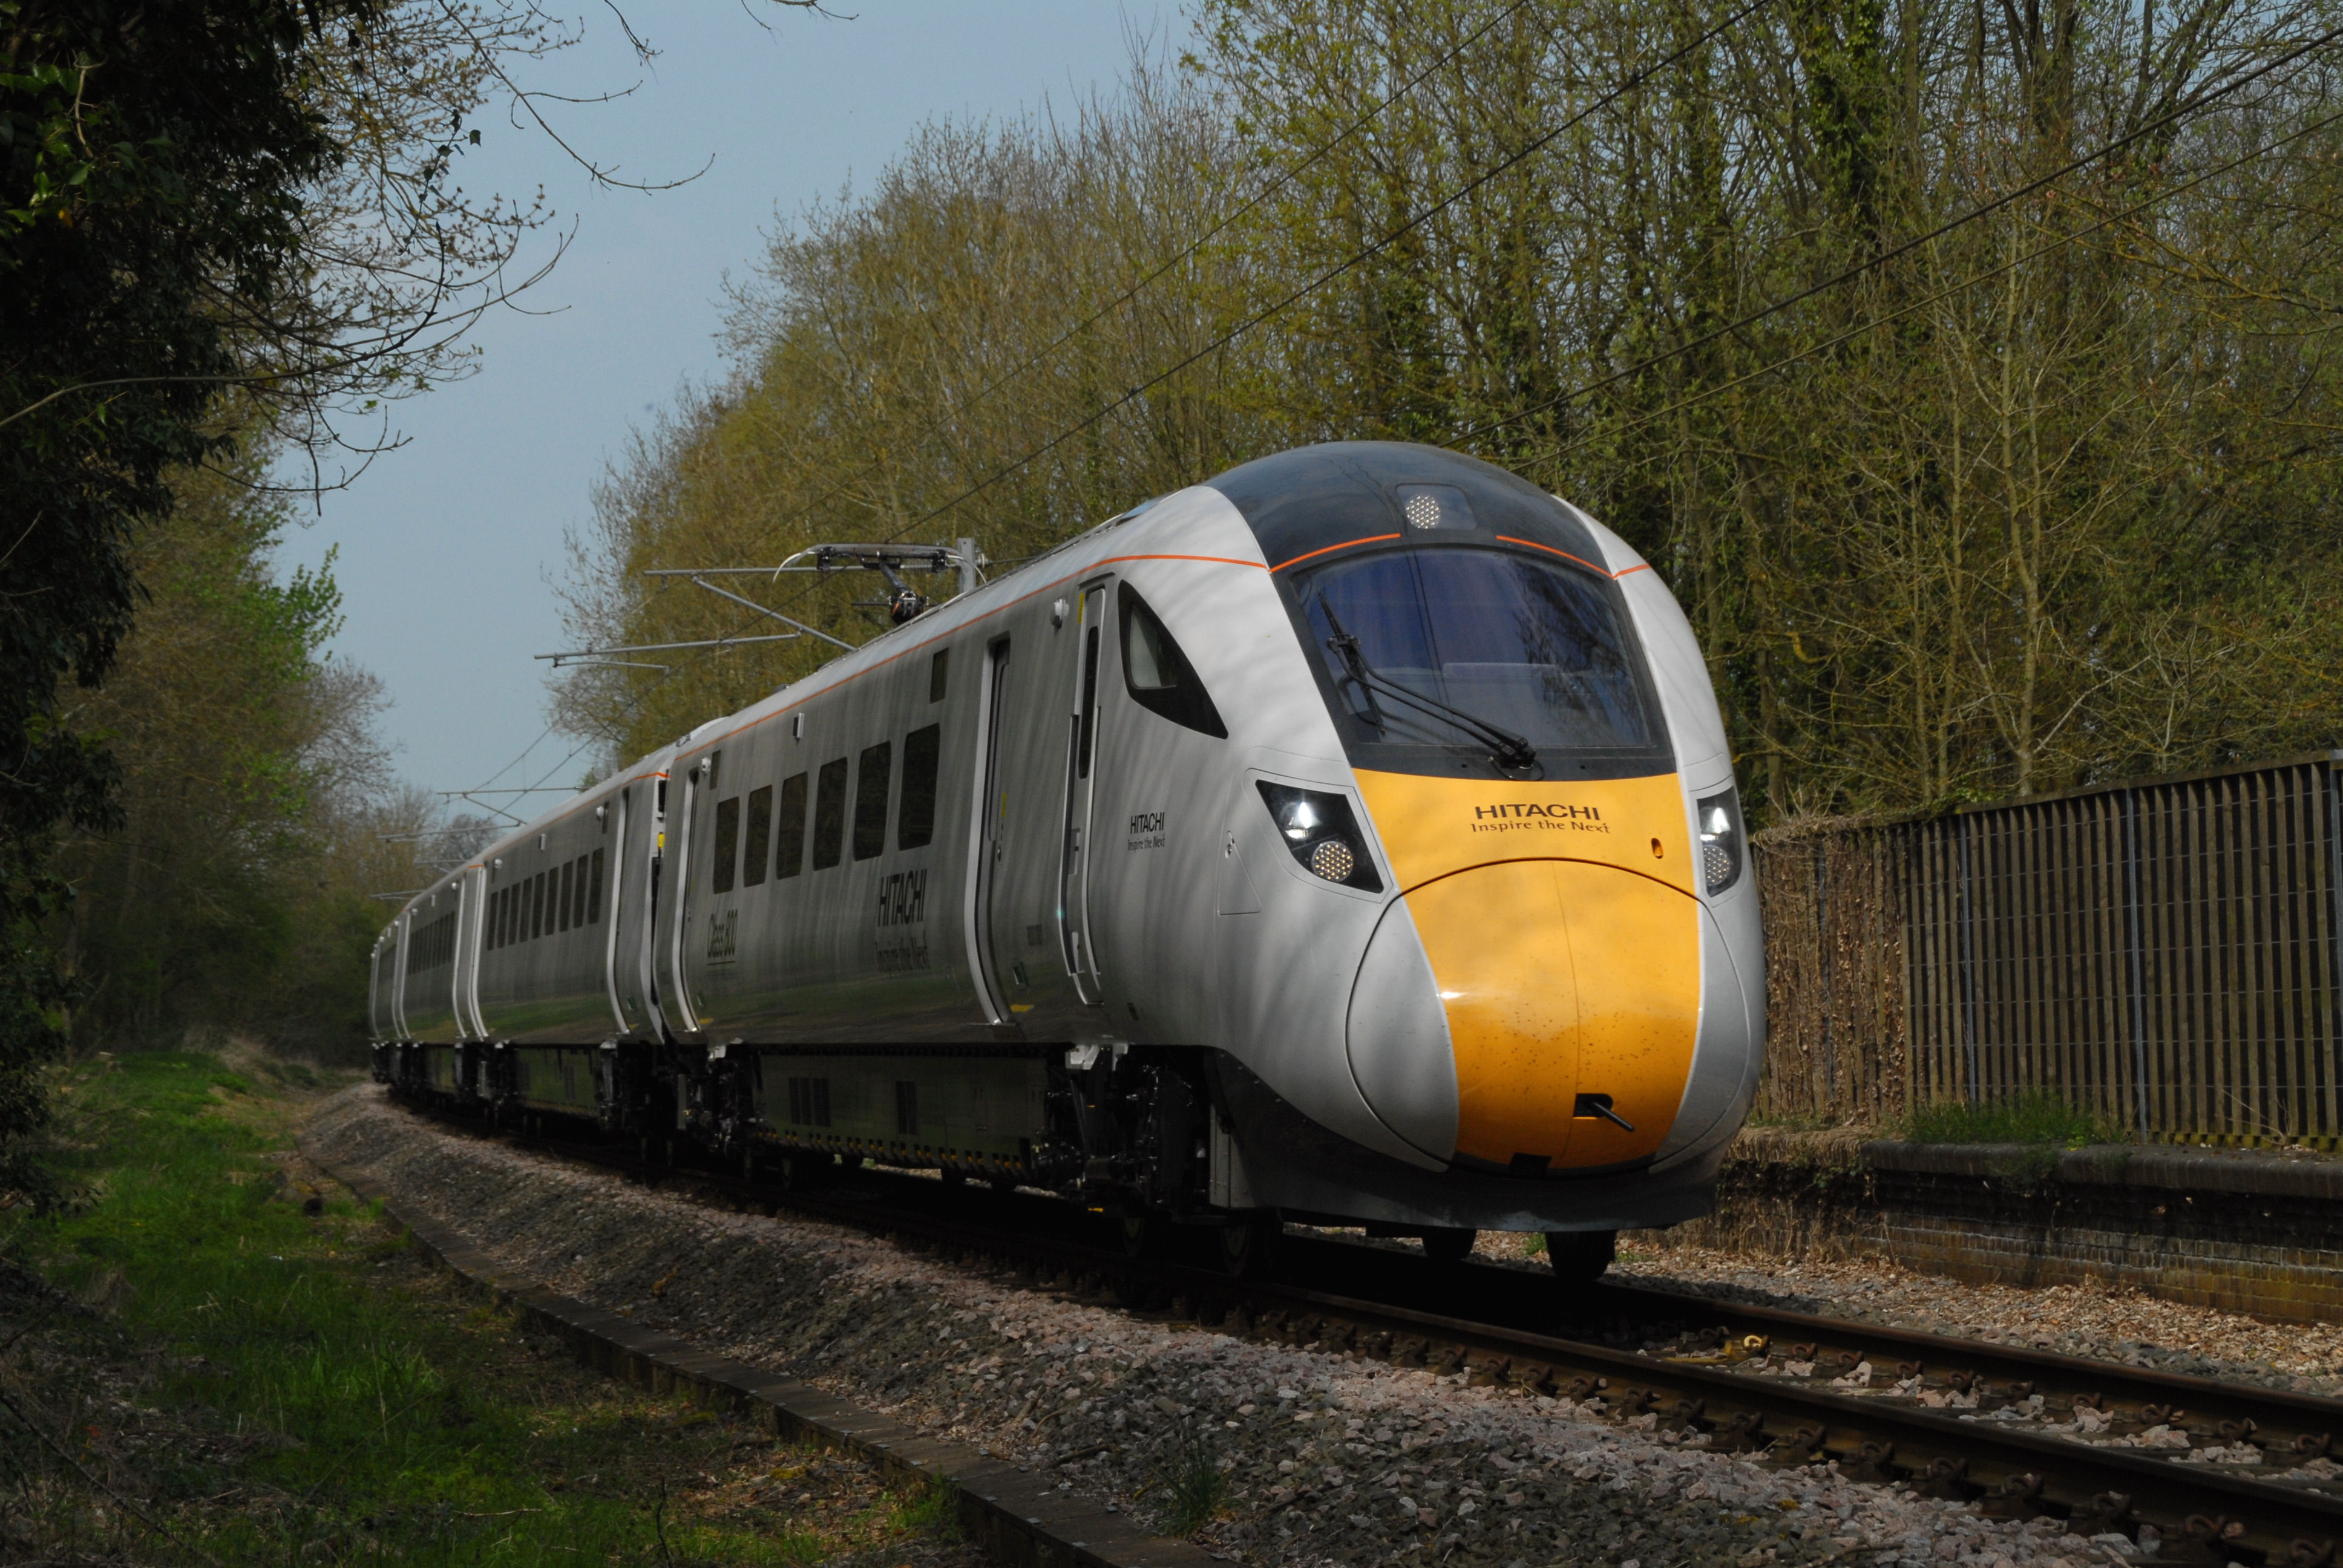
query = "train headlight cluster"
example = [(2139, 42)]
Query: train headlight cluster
[(1719, 817), (1322, 835)]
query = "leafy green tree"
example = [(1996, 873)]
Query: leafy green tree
[(154, 159), (244, 753)]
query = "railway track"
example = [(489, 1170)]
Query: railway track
[(2219, 1472)]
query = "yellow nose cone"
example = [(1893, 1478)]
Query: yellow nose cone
[(1566, 984)]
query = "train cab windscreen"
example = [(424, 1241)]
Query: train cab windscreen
[(1430, 653)]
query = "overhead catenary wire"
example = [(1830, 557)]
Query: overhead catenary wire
[(522, 755), (2177, 114), (2171, 120), (1284, 177), (1949, 291), (1623, 85)]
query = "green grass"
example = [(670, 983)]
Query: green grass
[(2033, 1118), (1193, 1486), (275, 1386)]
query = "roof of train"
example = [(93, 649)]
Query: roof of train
[(1298, 503), (1312, 499)]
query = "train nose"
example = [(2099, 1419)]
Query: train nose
[(1532, 1015)]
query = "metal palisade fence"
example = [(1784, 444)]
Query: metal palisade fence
[(2165, 953)]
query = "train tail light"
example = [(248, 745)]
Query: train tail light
[(1719, 817), (1322, 835)]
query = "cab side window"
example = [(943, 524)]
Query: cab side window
[(1157, 674)]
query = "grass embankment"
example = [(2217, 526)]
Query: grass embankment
[(2043, 1118), (218, 1358)]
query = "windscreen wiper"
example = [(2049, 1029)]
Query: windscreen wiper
[(1511, 750)]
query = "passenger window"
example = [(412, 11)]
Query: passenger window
[(758, 842), (829, 815), (593, 899), (1157, 674), (561, 898), (584, 891), (938, 669), (536, 906), (916, 825), (876, 771), (727, 843), (789, 860)]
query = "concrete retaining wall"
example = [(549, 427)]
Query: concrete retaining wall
[(2245, 1231)]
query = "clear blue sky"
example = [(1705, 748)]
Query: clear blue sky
[(449, 545)]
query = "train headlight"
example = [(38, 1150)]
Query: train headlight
[(1322, 835), (1719, 817)]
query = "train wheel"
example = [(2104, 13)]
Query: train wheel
[(1248, 1245), (1580, 1257), (1444, 1245)]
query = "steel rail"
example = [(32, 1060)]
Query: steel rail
[(2200, 1396), (1958, 1454)]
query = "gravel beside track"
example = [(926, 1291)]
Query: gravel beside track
[(1326, 1458), (2071, 1320)]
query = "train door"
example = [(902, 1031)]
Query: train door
[(675, 920), (471, 904), (614, 891), (1082, 791), (990, 841), (652, 906), (378, 1003), (1031, 787), (398, 973)]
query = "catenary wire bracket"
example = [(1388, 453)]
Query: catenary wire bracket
[(590, 656)]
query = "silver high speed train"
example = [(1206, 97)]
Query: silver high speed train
[(1351, 838)]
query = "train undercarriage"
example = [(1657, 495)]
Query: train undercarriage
[(1140, 1132), (1131, 1131)]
